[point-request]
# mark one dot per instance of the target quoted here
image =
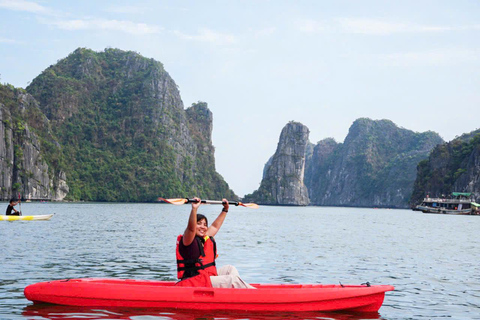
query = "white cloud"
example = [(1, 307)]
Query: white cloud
[(27, 6), (264, 32), (105, 25), (5, 40), (127, 9), (372, 26), (432, 58), (311, 26), (207, 35), (82, 24), (382, 27)]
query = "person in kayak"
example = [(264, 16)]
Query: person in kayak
[(196, 253), (11, 208)]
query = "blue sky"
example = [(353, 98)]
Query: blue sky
[(260, 64)]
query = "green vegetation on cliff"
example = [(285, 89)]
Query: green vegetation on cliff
[(450, 168), (380, 161), (124, 133), (374, 166), (26, 142)]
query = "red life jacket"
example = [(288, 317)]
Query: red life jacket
[(203, 267)]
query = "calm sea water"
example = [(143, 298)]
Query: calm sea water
[(432, 260)]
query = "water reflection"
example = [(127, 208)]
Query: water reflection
[(53, 312)]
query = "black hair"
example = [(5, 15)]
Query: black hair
[(201, 217), (13, 200)]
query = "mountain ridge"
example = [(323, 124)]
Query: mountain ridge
[(123, 130), (375, 166)]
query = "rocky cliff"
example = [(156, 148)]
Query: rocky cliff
[(375, 166), (122, 130), (451, 167), (283, 178), (28, 151)]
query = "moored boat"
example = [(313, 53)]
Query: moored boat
[(26, 218), (99, 292), (460, 203)]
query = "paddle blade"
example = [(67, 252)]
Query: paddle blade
[(249, 205), (177, 201)]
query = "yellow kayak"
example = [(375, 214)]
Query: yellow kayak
[(26, 218)]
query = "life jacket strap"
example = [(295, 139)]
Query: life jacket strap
[(205, 266), (200, 242), (188, 264), (193, 267)]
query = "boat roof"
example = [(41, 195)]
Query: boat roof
[(465, 194)]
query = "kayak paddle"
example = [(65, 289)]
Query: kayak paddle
[(180, 201)]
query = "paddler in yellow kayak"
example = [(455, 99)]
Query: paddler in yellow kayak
[(11, 208)]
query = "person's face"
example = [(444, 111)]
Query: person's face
[(202, 228)]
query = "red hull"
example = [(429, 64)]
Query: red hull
[(164, 295)]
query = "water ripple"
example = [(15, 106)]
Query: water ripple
[(432, 260)]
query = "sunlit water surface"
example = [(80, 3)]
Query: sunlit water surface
[(432, 260)]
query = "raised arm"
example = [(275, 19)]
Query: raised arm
[(191, 230), (215, 226)]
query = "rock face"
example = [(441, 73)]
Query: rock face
[(283, 178), (106, 126), (468, 177), (319, 169), (374, 167), (26, 167), (121, 123), (451, 167)]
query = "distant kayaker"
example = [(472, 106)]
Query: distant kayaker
[(11, 208), (197, 251)]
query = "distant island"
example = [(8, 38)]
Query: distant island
[(374, 167), (105, 126)]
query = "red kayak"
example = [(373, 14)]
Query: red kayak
[(97, 292)]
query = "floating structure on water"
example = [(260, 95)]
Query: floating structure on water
[(460, 203)]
